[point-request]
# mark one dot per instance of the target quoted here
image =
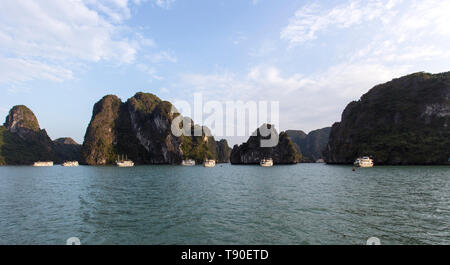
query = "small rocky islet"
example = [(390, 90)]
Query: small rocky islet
[(402, 122)]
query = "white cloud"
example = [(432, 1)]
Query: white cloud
[(417, 35), (402, 37), (44, 40), (306, 102), (49, 36), (164, 90), (310, 20), (161, 57), (164, 3), (149, 71), (116, 10), (267, 47), (14, 70)]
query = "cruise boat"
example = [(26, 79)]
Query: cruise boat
[(266, 162), (209, 163), (43, 164), (364, 161), (124, 162), (70, 164), (188, 162)]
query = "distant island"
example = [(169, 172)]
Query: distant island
[(251, 152), (402, 122), (23, 142)]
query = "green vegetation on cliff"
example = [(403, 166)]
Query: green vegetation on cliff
[(98, 143), (310, 145), (17, 151), (22, 142), (141, 129), (405, 121), (21, 116), (251, 152)]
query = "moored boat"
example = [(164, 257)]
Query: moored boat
[(188, 162), (364, 161), (43, 164), (266, 162), (124, 162), (70, 164), (209, 163)]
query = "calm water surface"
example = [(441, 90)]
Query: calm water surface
[(299, 204)]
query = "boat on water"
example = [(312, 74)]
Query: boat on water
[(43, 164), (266, 162), (188, 162), (124, 162), (364, 161), (70, 164), (209, 163)]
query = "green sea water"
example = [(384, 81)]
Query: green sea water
[(292, 204)]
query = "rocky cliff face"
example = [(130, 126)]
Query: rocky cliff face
[(141, 129), (251, 152), (405, 121), (20, 117), (310, 145), (67, 149), (223, 151), (22, 142)]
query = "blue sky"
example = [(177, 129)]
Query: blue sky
[(314, 57)]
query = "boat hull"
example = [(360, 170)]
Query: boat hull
[(70, 164), (209, 163), (43, 164), (266, 163), (125, 164), (188, 163), (364, 162)]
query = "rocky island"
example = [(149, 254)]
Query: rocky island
[(22, 141), (310, 145), (403, 122), (251, 152), (141, 129)]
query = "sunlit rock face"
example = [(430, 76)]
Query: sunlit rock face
[(140, 129)]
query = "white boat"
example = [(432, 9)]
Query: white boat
[(266, 162), (188, 162), (70, 164), (43, 164), (364, 161), (209, 163), (124, 162)]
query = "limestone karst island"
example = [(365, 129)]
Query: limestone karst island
[(402, 122)]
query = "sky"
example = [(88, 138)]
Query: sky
[(314, 57)]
